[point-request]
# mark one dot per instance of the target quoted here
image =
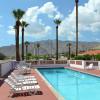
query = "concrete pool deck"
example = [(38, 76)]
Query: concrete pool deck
[(87, 71), (47, 94)]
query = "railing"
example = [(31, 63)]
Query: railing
[(72, 61), (44, 62), (83, 64), (95, 63), (61, 62), (78, 62)]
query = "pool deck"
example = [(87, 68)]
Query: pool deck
[(88, 71), (47, 94)]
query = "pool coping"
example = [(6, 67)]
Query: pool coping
[(58, 95), (82, 72)]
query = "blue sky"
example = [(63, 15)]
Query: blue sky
[(40, 15)]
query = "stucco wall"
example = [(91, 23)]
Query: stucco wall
[(5, 68), (77, 63)]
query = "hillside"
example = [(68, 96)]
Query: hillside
[(49, 46)]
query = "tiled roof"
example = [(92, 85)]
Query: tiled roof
[(91, 52)]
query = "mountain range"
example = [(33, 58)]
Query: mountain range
[(49, 47)]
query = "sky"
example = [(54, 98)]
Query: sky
[(40, 14)]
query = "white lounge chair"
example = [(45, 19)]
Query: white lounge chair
[(29, 77), (23, 67), (22, 89), (22, 81)]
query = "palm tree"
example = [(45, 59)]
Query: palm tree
[(14, 27), (27, 44), (57, 22), (76, 2), (23, 25), (69, 51), (38, 47), (18, 14)]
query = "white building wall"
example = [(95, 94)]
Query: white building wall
[(5, 68)]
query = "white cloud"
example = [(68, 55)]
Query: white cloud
[(11, 30), (37, 27), (50, 9), (89, 19)]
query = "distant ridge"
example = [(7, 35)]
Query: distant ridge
[(49, 46)]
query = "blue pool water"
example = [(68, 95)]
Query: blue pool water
[(73, 85)]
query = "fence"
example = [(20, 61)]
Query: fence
[(47, 62), (6, 66), (83, 64)]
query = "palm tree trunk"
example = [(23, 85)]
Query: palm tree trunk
[(69, 52), (38, 51), (17, 42), (22, 43), (76, 28), (56, 42), (26, 51)]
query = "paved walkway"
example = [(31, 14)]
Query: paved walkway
[(47, 93), (89, 71)]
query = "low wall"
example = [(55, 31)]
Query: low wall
[(47, 62), (96, 64), (5, 67), (76, 63), (84, 64), (49, 66)]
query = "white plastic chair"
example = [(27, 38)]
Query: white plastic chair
[(90, 66)]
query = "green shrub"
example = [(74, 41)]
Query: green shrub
[(29, 56), (83, 57), (97, 57), (2, 56), (78, 57), (87, 57), (45, 57), (72, 55)]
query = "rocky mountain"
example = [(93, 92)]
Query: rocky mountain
[(49, 47)]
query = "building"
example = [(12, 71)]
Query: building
[(90, 52)]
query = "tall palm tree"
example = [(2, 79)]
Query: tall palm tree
[(18, 14), (76, 2), (38, 47), (14, 27), (27, 44), (69, 51), (57, 22), (23, 25)]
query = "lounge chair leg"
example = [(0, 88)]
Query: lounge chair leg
[(30, 93), (10, 94)]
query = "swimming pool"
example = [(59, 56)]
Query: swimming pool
[(73, 85)]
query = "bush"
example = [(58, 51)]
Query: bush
[(87, 57), (97, 57), (29, 56), (45, 57), (78, 57), (72, 55), (2, 56), (83, 57)]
